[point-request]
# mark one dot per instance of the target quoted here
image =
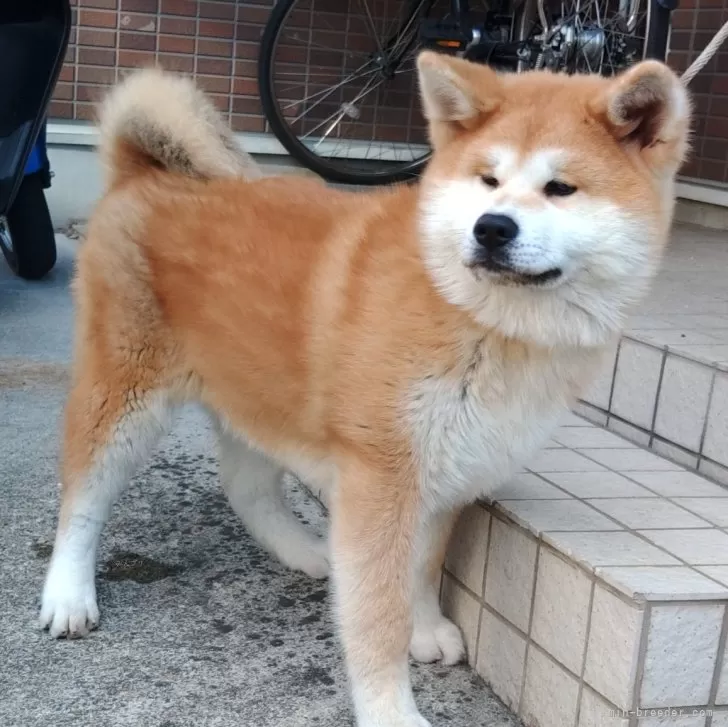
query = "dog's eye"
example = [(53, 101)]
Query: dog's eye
[(558, 189), (490, 181)]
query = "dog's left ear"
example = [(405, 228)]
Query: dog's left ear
[(456, 94), (649, 108)]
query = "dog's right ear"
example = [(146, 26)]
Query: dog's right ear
[(456, 95)]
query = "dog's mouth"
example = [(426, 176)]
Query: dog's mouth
[(509, 275)]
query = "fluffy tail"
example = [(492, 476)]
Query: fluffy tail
[(154, 119)]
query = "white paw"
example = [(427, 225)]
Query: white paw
[(68, 606), (312, 559), (441, 641)]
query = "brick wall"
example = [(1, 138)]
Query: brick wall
[(217, 41), (693, 25)]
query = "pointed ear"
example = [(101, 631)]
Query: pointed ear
[(649, 108), (456, 94)]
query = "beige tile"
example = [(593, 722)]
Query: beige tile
[(682, 644), (510, 574), (501, 658), (528, 486), (683, 401), (614, 636), (589, 437), (716, 434), (550, 693), (662, 583), (609, 548), (599, 392), (667, 718), (720, 719), (717, 572), (722, 695), (561, 610), (468, 547), (591, 414), (676, 337), (630, 460), (563, 460), (712, 509), (677, 454), (464, 610), (695, 547), (678, 484), (714, 470), (634, 434), (572, 420), (635, 383), (539, 516), (595, 712), (648, 512), (598, 484)]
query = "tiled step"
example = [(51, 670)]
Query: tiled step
[(670, 401), (592, 590)]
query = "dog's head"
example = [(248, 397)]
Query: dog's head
[(549, 197)]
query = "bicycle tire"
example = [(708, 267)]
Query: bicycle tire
[(284, 134)]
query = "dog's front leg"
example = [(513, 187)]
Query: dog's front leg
[(373, 536)]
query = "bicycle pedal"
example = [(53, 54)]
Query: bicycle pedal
[(445, 36)]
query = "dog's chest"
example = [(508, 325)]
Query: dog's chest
[(472, 432)]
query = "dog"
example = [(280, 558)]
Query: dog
[(404, 350)]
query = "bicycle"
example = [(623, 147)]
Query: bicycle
[(338, 83)]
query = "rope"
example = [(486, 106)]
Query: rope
[(704, 58)]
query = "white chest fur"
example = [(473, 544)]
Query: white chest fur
[(472, 431)]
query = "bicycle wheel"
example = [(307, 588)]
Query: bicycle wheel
[(591, 36), (339, 89)]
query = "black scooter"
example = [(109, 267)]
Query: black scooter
[(33, 41)]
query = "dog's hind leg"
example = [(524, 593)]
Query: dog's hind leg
[(113, 420), (253, 484)]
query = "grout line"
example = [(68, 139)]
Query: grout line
[(641, 658), (614, 376), (529, 640), (658, 393), (719, 659), (482, 587), (705, 421), (590, 608)]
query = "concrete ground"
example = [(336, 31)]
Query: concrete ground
[(199, 627)]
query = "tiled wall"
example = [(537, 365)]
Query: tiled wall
[(676, 404), (217, 41), (591, 594)]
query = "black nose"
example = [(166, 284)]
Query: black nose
[(494, 231)]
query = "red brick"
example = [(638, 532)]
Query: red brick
[(216, 29), (63, 92), (177, 26), (179, 7), (220, 48), (140, 6), (245, 87), (214, 66), (213, 84), (96, 56), (218, 10), (142, 22), (135, 40), (175, 44), (60, 110), (100, 38), (86, 112), (136, 59), (68, 73), (90, 94), (247, 123), (107, 4), (99, 18), (93, 74), (178, 63)]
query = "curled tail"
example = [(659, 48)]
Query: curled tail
[(154, 119)]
